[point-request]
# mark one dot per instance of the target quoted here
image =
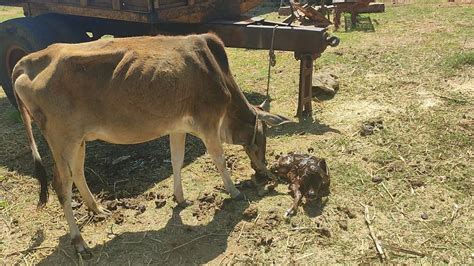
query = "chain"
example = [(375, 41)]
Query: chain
[(271, 61)]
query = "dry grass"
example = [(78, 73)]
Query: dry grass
[(414, 72)]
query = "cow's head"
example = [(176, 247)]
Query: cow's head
[(257, 147)]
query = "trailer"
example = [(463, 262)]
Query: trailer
[(73, 21)]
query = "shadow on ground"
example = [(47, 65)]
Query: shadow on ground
[(364, 23), (175, 244), (305, 126)]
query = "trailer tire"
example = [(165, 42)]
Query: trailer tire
[(19, 37), (67, 29)]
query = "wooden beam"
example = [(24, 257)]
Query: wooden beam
[(84, 3), (116, 5)]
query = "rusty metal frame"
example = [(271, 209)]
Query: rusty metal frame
[(307, 42), (305, 96), (257, 33)]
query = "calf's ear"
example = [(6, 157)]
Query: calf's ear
[(272, 119), (322, 164)]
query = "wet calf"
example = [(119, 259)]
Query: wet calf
[(307, 175)]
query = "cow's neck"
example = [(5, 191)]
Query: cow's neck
[(239, 123)]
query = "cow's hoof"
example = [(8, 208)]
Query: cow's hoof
[(81, 248), (98, 209), (103, 211), (262, 191), (85, 254), (272, 186), (290, 212), (184, 204), (240, 196)]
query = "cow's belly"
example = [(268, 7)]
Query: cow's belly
[(140, 132)]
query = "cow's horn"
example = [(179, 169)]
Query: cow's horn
[(265, 105)]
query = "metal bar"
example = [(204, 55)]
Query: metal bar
[(305, 98), (301, 39)]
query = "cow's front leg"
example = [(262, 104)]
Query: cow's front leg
[(177, 144), (214, 148)]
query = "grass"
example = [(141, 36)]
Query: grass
[(3, 204), (7, 13), (459, 60), (414, 73)]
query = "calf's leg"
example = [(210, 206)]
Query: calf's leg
[(298, 196), (177, 144)]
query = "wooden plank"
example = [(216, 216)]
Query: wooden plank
[(69, 2), (135, 5), (12, 2), (203, 11), (167, 11), (38, 8), (150, 5), (116, 4), (100, 3)]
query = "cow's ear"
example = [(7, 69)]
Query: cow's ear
[(265, 105), (272, 119)]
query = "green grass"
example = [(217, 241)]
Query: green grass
[(7, 13), (3, 204), (459, 60), (14, 115)]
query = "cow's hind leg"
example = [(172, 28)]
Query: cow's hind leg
[(65, 157), (81, 184), (214, 148), (177, 144)]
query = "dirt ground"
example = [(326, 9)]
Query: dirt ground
[(414, 175)]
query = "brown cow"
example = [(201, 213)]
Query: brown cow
[(134, 90)]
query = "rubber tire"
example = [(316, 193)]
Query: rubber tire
[(27, 34), (66, 29)]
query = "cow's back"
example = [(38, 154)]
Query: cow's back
[(130, 82)]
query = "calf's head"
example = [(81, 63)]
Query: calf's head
[(310, 174), (317, 179)]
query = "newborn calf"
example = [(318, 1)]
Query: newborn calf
[(308, 176)]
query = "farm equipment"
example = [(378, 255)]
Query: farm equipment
[(354, 7), (73, 21)]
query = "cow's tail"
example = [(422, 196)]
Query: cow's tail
[(40, 171)]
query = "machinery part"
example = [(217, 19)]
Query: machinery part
[(18, 37), (333, 41), (253, 34), (305, 96)]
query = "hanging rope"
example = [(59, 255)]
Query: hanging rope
[(271, 60)]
